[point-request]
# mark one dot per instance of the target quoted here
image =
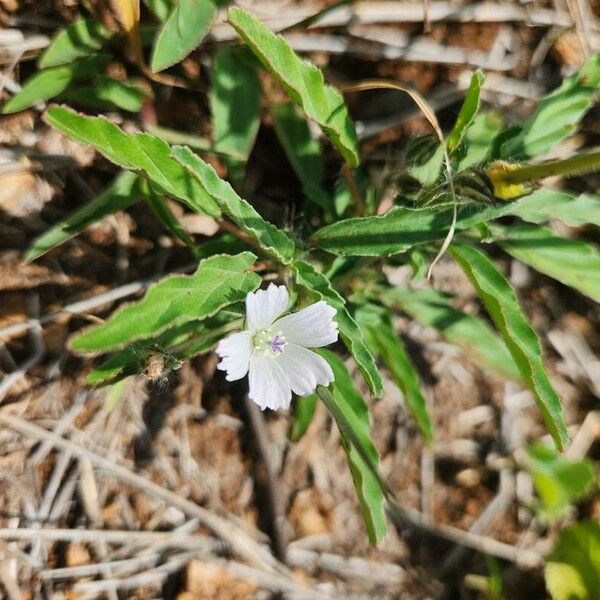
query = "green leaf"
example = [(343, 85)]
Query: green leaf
[(470, 333), (304, 411), (573, 568), (136, 151), (501, 303), (351, 414), (302, 80), (318, 285), (388, 345), (160, 8), (545, 204), (478, 139), (569, 261), (182, 32), (468, 112), (302, 150), (399, 229), (51, 82), (558, 481), (218, 282), (235, 106), (174, 345), (107, 93), (83, 37), (270, 238), (119, 195), (557, 115)]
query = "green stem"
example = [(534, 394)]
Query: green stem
[(575, 165)]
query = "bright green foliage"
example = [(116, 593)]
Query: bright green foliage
[(235, 107), (318, 285), (501, 302), (160, 8), (304, 411), (569, 261), (303, 151), (399, 229), (173, 345), (218, 282), (107, 93), (556, 116), (270, 238), (573, 568), (302, 81), (475, 338), (119, 195), (83, 37), (545, 204), (351, 414), (182, 31), (136, 151), (558, 481), (468, 112), (385, 343), (49, 83), (478, 139)]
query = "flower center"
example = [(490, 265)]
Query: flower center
[(268, 342)]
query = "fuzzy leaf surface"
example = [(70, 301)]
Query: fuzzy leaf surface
[(501, 303), (140, 152), (302, 80), (219, 281)]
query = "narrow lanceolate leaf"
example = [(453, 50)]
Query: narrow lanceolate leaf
[(470, 333), (501, 302), (119, 195), (135, 151), (303, 151), (302, 80), (183, 30), (546, 204), (318, 285), (391, 349), (556, 116), (304, 411), (352, 417), (270, 238), (572, 262), (83, 37), (107, 93), (399, 229), (235, 107), (468, 112), (49, 83), (218, 282)]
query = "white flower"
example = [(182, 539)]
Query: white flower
[(274, 351)]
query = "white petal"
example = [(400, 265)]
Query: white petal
[(235, 351), (304, 369), (264, 306), (310, 327), (269, 387)]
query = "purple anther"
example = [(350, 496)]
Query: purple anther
[(277, 344)]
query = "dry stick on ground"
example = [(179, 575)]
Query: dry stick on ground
[(275, 494), (38, 350), (238, 540)]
